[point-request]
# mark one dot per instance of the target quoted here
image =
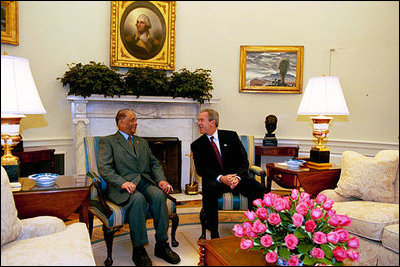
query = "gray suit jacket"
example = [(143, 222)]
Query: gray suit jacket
[(117, 163)]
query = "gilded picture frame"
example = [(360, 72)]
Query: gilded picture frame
[(271, 69), (143, 34), (9, 22)]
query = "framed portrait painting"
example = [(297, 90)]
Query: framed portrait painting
[(271, 69), (143, 34), (9, 22)]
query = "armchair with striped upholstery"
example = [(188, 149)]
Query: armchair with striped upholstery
[(111, 215), (230, 201)]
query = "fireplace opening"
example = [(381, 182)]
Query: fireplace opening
[(168, 151)]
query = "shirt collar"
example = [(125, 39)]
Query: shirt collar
[(215, 135), (124, 134)]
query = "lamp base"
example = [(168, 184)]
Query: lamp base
[(319, 166), (192, 189), (12, 172), (318, 156)]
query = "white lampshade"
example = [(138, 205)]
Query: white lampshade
[(323, 96), (19, 94)]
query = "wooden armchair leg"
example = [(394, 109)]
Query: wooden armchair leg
[(175, 222), (90, 217), (203, 224), (109, 238)]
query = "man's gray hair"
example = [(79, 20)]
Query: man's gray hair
[(146, 20), (212, 115), (121, 114)]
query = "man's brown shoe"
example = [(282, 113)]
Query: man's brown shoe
[(163, 251)]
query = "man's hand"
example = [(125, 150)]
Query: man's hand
[(165, 186), (230, 180), (129, 186)]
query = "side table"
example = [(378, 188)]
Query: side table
[(311, 180), (276, 151), (67, 195)]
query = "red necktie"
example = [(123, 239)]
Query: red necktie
[(216, 151)]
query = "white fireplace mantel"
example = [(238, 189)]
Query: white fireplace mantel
[(157, 117)]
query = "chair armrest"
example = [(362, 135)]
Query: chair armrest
[(256, 170), (336, 197), (97, 185)]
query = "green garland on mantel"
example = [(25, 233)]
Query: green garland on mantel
[(97, 78)]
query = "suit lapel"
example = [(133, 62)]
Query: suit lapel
[(223, 144), (122, 141)]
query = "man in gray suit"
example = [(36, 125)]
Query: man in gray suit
[(135, 178)]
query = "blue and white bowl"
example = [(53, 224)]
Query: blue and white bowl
[(295, 163), (44, 179)]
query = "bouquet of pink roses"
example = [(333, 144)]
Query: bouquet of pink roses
[(297, 230)]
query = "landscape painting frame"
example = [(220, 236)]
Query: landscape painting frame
[(271, 69), (9, 22)]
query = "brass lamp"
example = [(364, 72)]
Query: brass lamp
[(19, 96), (323, 96)]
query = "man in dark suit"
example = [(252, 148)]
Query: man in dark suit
[(223, 167), (135, 178)]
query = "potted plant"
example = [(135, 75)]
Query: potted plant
[(97, 78), (92, 78)]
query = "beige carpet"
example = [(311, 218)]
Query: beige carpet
[(188, 250)]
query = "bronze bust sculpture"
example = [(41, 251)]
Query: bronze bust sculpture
[(270, 124)]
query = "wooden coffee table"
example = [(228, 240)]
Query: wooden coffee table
[(226, 251), (68, 195)]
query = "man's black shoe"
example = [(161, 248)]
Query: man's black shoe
[(163, 251), (214, 234), (140, 257)]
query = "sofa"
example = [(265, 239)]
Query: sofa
[(368, 192), (42, 240)]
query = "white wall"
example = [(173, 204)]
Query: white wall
[(364, 34)]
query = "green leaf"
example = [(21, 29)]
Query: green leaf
[(284, 252)]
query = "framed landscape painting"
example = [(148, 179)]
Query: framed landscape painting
[(271, 69), (9, 22), (143, 34)]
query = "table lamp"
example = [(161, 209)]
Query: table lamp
[(323, 96), (19, 96)]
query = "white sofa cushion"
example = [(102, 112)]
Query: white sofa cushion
[(41, 225), (368, 218), (10, 224), (370, 179), (390, 237), (68, 248)]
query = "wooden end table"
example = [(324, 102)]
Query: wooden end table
[(312, 181), (67, 195), (226, 251), (275, 151)]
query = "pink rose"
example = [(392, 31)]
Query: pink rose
[(343, 234), (259, 227), (279, 204), (257, 202), (266, 241), (287, 202), (271, 257), (344, 220), (291, 241), (334, 220), (328, 204), (330, 213), (317, 253), (311, 204), (247, 225), (246, 243), (238, 229), (250, 233), (295, 194), (302, 208), (304, 197), (319, 238), (269, 199), (262, 213), (316, 213), (339, 253), (251, 215), (274, 219), (333, 237), (310, 226), (353, 242), (297, 219), (294, 260), (321, 198), (352, 255)]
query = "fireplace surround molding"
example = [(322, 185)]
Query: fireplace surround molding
[(157, 116)]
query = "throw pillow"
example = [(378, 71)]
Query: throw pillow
[(369, 178), (10, 224)]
